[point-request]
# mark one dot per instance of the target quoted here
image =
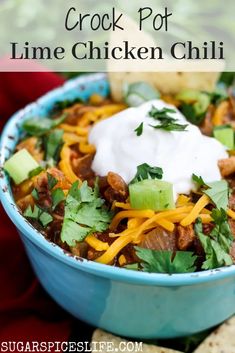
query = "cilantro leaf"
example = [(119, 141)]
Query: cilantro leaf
[(53, 144), (85, 214), (167, 122), (34, 193), (219, 95), (218, 192), (45, 218), (218, 243), (198, 180), (139, 129), (52, 181), (145, 171), (66, 103), (39, 215), (32, 213), (40, 126), (159, 114), (57, 196), (165, 261)]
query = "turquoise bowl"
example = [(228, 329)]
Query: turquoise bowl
[(125, 302)]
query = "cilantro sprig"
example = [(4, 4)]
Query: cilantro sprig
[(166, 261), (166, 121), (40, 126), (218, 243), (145, 171), (38, 214), (53, 143), (218, 191), (139, 129), (85, 214)]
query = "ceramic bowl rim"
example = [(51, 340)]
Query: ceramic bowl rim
[(95, 268)]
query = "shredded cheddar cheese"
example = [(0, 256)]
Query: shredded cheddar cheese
[(122, 260), (182, 200), (114, 249), (124, 206), (190, 218), (231, 213), (127, 214), (96, 243), (65, 165), (75, 129), (86, 148), (164, 223)]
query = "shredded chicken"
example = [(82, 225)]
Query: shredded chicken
[(227, 166), (186, 237)]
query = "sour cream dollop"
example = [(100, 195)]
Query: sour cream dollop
[(178, 153)]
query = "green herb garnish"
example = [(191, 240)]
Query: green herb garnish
[(218, 191), (52, 181), (34, 193), (57, 196), (39, 215), (40, 126), (165, 261), (198, 180), (53, 144), (167, 123), (139, 129), (217, 244), (35, 171), (145, 171), (85, 214)]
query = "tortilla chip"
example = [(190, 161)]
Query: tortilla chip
[(164, 82), (102, 336), (120, 71), (222, 340)]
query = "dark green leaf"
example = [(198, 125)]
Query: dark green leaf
[(218, 96), (198, 180), (165, 261), (227, 78), (139, 129), (144, 171), (191, 115), (217, 244), (34, 193), (57, 196), (85, 213), (39, 215), (52, 181), (66, 104), (218, 191), (53, 144), (35, 172), (32, 213), (45, 218), (40, 126), (166, 122)]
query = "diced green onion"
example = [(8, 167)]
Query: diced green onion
[(137, 93), (225, 135), (152, 194), (20, 165), (194, 104)]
